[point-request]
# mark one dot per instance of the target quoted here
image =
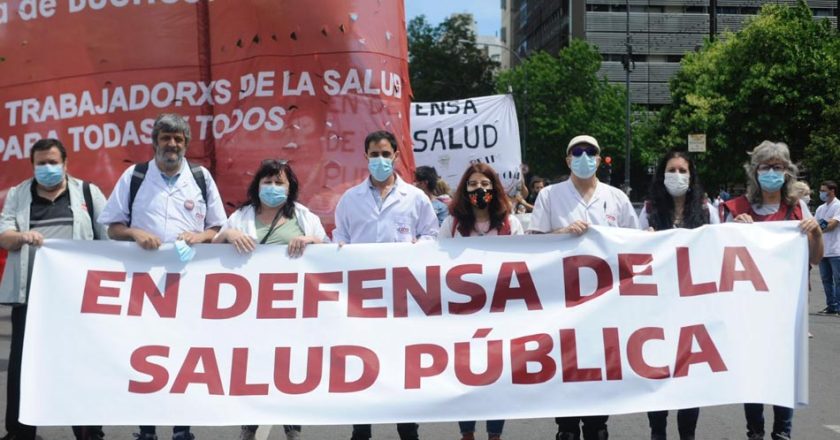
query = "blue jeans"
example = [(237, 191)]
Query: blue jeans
[(493, 426), (830, 274), (782, 419)]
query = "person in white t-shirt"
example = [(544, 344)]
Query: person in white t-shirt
[(828, 217), (570, 207)]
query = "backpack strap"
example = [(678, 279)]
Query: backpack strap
[(89, 206), (198, 175), (136, 180)]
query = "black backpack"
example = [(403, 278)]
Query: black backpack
[(140, 173)]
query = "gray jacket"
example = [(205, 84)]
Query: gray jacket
[(15, 217)]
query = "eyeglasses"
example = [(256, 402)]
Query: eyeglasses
[(275, 162), (589, 150), (763, 168)]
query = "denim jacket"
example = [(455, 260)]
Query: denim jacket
[(15, 217)]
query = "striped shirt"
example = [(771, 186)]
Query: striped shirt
[(53, 219)]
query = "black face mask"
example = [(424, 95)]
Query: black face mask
[(480, 198)]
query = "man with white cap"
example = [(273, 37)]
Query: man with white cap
[(569, 208)]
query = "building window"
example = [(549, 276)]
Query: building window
[(504, 4), (696, 10), (503, 34)]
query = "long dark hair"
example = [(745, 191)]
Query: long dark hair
[(271, 168), (661, 207), (461, 209)]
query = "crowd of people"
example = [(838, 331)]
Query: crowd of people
[(169, 200)]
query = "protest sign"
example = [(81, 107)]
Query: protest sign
[(615, 321), (452, 134)]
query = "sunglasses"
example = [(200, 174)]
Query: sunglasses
[(589, 150)]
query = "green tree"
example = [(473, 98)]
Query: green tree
[(443, 68), (566, 98), (775, 79)]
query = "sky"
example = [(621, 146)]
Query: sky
[(487, 13)]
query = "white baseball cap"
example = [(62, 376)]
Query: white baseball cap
[(583, 139)]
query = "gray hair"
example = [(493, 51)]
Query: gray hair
[(171, 123), (765, 152)]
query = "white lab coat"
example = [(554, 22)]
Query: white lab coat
[(406, 214)]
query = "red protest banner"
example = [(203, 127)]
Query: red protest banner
[(256, 79)]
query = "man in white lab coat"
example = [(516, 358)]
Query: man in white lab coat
[(384, 209)]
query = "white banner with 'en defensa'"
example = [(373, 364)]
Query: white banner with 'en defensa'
[(615, 321)]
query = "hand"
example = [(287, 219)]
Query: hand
[(191, 238), (145, 240), (32, 238), (650, 229), (743, 218), (578, 227), (341, 244), (297, 245), (811, 227), (243, 243)]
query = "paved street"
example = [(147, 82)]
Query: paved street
[(821, 420)]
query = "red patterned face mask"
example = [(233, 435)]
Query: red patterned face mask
[(480, 198)]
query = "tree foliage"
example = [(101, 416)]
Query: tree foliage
[(443, 68), (563, 97), (776, 79)]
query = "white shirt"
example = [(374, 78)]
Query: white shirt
[(560, 205), (244, 219), (831, 239), (406, 213), (163, 210), (446, 228), (714, 217)]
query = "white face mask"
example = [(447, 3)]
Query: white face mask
[(677, 184)]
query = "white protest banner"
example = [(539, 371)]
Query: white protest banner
[(452, 134), (615, 321)]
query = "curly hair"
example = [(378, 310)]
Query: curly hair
[(462, 210)]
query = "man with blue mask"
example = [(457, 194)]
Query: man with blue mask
[(53, 204), (384, 209), (570, 207), (165, 200), (828, 217)]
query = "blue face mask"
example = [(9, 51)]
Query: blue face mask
[(823, 196), (584, 166), (771, 181), (49, 175), (380, 168), (272, 195)]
